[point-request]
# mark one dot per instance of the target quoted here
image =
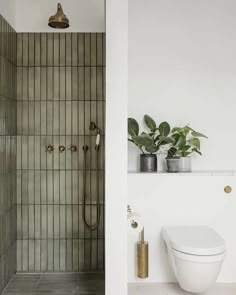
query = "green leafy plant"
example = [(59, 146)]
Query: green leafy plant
[(149, 142), (172, 153), (186, 141)]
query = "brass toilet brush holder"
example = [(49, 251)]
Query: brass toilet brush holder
[(142, 257)]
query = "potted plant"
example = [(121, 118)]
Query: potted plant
[(172, 160), (186, 141), (148, 142)]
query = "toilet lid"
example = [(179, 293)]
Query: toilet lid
[(196, 240)]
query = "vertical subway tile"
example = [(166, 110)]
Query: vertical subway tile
[(37, 83), (31, 222), (37, 254), (41, 117), (81, 83), (56, 83), (37, 112), (43, 186), (56, 251), (31, 48), (44, 255), (74, 49), (56, 221), (19, 49), (50, 49), (37, 221), (87, 83), (62, 254), (43, 49), (62, 221), (99, 49), (44, 222), (73, 84), (69, 258), (25, 256), (93, 49), (81, 49), (56, 50), (31, 185), (38, 194), (93, 83), (68, 84), (43, 83), (62, 117), (68, 49), (87, 46), (25, 57), (37, 53), (50, 86), (62, 83), (31, 83), (56, 187), (50, 256), (50, 222), (50, 187), (56, 118), (63, 45)]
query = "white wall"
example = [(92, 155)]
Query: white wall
[(116, 146), (168, 199), (84, 16), (8, 11), (182, 68)]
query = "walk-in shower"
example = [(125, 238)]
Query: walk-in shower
[(56, 158)]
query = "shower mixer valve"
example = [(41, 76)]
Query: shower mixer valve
[(50, 148), (62, 148), (73, 148)]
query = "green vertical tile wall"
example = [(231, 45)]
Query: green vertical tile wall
[(60, 89), (7, 152)]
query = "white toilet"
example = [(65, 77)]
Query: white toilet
[(196, 254)]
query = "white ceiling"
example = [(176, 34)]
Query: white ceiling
[(32, 15)]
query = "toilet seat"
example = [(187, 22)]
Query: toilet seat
[(194, 240)]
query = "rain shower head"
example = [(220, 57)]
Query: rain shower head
[(59, 20)]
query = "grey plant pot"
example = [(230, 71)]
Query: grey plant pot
[(172, 165), (185, 164), (148, 163)]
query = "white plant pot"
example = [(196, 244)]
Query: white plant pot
[(185, 164)]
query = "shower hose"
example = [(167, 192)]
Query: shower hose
[(96, 224)]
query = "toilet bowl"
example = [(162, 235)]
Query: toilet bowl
[(196, 254)]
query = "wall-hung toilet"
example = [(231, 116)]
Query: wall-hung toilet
[(196, 254)]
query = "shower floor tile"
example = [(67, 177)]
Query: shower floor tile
[(56, 284)]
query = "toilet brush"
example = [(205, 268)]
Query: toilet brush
[(142, 257)]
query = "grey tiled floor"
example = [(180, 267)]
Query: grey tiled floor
[(56, 284)]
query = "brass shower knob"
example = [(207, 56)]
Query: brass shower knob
[(62, 148), (50, 148), (228, 189), (73, 148)]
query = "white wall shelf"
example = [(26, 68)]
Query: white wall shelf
[(193, 173)]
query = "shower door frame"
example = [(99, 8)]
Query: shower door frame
[(116, 146)]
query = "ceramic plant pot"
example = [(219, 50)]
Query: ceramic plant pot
[(172, 164), (148, 163), (185, 164)]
